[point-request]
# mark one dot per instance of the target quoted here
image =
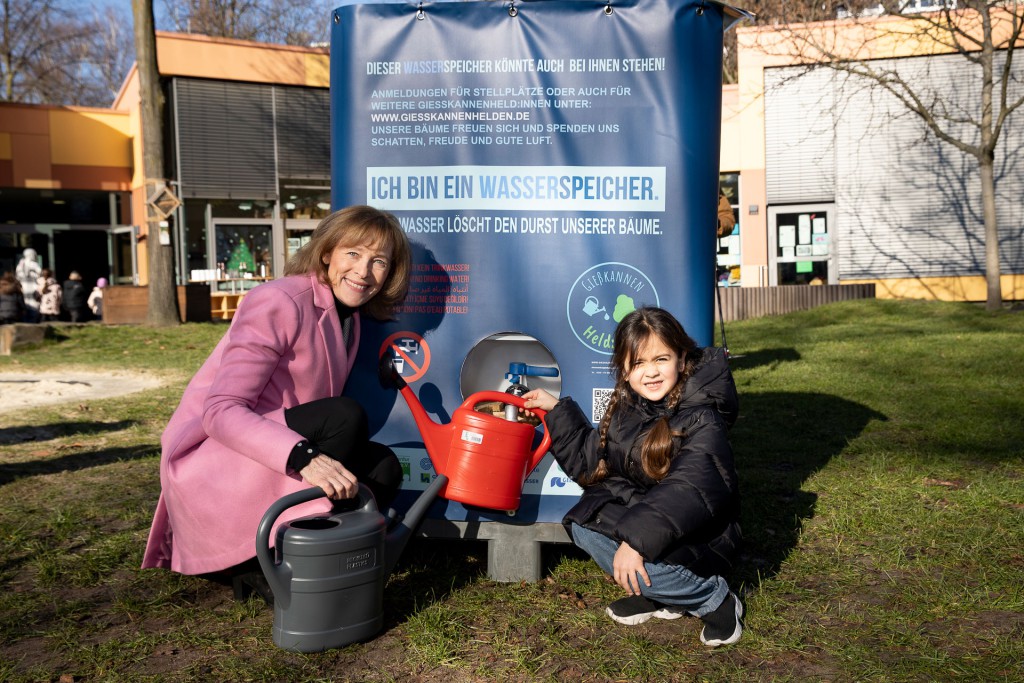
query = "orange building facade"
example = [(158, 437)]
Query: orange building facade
[(65, 179)]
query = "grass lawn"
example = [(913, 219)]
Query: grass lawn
[(880, 455)]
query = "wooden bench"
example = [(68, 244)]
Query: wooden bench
[(21, 336)]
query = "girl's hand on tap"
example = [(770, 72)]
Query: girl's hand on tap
[(540, 399)]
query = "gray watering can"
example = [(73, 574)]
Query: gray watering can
[(328, 572)]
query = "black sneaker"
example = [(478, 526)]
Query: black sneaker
[(724, 625), (636, 609)]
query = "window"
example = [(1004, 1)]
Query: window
[(305, 199), (728, 259), (800, 243)]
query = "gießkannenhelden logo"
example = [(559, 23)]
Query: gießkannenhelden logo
[(601, 297)]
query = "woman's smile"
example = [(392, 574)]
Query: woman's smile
[(357, 273)]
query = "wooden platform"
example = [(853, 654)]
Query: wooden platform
[(16, 336)]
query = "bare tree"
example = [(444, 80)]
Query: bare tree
[(984, 33), (110, 55), (774, 12), (218, 18), (291, 22), (162, 300), (42, 47)]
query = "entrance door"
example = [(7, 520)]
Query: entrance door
[(122, 250), (81, 250), (801, 244)]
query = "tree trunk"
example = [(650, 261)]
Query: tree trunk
[(163, 305), (989, 138), (994, 295)]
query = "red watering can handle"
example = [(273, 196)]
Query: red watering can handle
[(519, 401)]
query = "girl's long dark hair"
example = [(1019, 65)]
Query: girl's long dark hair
[(631, 335)]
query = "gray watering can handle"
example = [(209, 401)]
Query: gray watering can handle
[(271, 569)]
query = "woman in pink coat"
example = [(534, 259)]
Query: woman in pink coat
[(263, 416)]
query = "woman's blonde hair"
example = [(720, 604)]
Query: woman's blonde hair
[(633, 332), (356, 226)]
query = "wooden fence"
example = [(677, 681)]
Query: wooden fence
[(741, 303)]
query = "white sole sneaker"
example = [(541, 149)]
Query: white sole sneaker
[(669, 613), (737, 631), (637, 609)]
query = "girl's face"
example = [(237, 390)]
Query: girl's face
[(357, 273), (655, 370)]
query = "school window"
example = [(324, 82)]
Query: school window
[(728, 253)]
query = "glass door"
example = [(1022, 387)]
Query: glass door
[(801, 244), (122, 251)]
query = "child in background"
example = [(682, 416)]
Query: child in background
[(95, 300), (50, 296), (660, 505), (74, 298), (12, 301)]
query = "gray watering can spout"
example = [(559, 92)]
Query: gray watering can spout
[(398, 537)]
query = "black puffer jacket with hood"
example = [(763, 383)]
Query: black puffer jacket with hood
[(691, 516)]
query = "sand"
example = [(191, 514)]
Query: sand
[(29, 389)]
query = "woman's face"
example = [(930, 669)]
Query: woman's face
[(655, 370), (357, 273)]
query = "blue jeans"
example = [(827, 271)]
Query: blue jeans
[(671, 584)]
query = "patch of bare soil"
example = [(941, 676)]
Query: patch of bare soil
[(29, 389)]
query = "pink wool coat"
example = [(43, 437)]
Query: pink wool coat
[(225, 449)]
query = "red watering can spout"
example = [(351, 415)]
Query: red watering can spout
[(437, 438)]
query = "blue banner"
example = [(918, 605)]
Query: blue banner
[(555, 165)]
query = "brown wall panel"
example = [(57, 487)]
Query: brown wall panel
[(31, 160), (24, 119), (106, 178)]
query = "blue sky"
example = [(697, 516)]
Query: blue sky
[(125, 7)]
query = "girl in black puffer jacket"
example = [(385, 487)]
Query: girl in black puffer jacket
[(660, 506)]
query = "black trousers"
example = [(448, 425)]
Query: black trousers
[(338, 427)]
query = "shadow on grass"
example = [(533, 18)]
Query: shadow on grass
[(428, 571), (769, 357), (780, 440), (52, 430), (74, 461)]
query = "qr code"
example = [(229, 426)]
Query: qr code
[(601, 399)]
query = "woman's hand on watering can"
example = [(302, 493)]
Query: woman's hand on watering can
[(540, 399), (330, 475)]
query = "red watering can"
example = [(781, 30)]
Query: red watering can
[(486, 458)]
